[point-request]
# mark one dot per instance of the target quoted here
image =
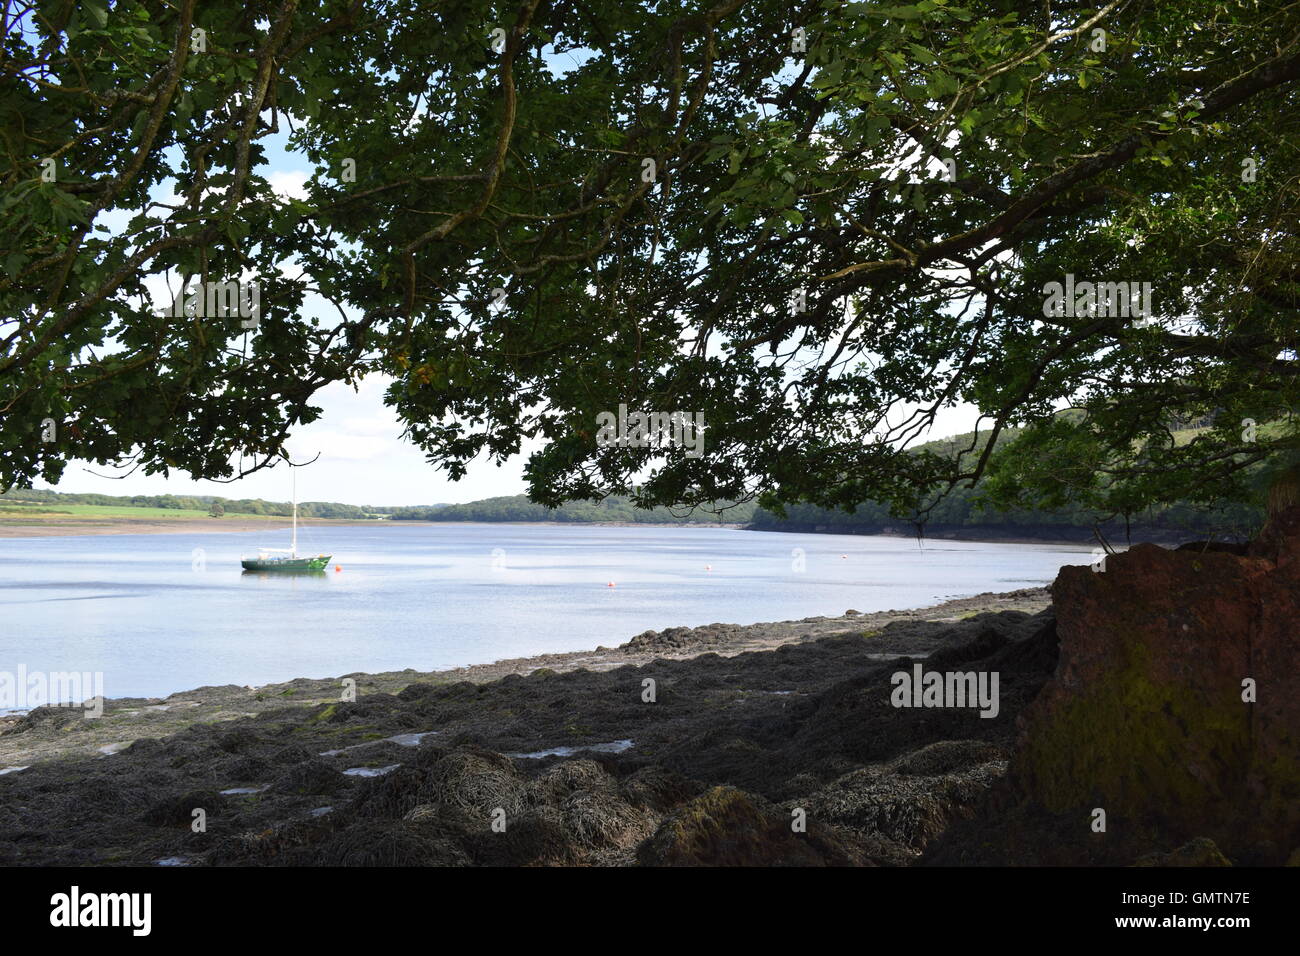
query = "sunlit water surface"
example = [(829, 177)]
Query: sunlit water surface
[(161, 613)]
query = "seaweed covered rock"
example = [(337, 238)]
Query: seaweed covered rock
[(907, 803), (599, 819), (48, 716), (535, 837), (178, 811), (728, 827), (312, 776), (657, 789), (1176, 702), (1198, 852), (477, 782), (389, 843), (563, 779)]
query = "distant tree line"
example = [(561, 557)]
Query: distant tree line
[(967, 508), (958, 511), (961, 510), (609, 510), (949, 510), (205, 503)]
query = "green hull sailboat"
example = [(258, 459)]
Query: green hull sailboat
[(267, 561), (278, 559)]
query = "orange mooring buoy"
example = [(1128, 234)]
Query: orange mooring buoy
[(337, 568), (610, 584)]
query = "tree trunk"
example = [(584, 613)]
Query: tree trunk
[(1284, 492)]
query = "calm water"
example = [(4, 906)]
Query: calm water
[(156, 616)]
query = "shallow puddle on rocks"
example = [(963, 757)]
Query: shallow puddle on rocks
[(320, 811), (11, 770), (402, 740), (370, 771), (109, 749), (613, 747), (243, 791), (173, 861)]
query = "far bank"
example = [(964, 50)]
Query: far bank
[(46, 527)]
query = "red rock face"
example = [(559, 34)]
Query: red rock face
[(1144, 717)]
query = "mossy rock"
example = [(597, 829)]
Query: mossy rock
[(1146, 716)]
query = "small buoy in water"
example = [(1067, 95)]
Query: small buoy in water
[(708, 567), (337, 568), (610, 584), (843, 555)]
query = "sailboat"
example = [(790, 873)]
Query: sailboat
[(278, 559)]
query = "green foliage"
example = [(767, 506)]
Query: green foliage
[(984, 505), (612, 510), (779, 174)]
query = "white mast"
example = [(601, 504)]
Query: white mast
[(293, 549)]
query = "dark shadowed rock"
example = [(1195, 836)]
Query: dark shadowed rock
[(310, 777), (657, 788), (1224, 547), (390, 843), (1198, 852), (291, 755), (536, 836), (417, 692), (393, 795), (237, 741), (249, 769), (178, 811)]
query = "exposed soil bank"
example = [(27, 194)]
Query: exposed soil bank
[(747, 726)]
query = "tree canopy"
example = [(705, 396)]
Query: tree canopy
[(813, 225)]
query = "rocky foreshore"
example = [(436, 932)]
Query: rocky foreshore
[(746, 723), (771, 744)]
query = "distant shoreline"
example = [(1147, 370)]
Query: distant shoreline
[(988, 537), (55, 527), (70, 527), (66, 527)]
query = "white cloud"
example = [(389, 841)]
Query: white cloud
[(337, 446), (289, 183), (381, 425)]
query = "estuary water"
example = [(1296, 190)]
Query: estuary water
[(161, 613)]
